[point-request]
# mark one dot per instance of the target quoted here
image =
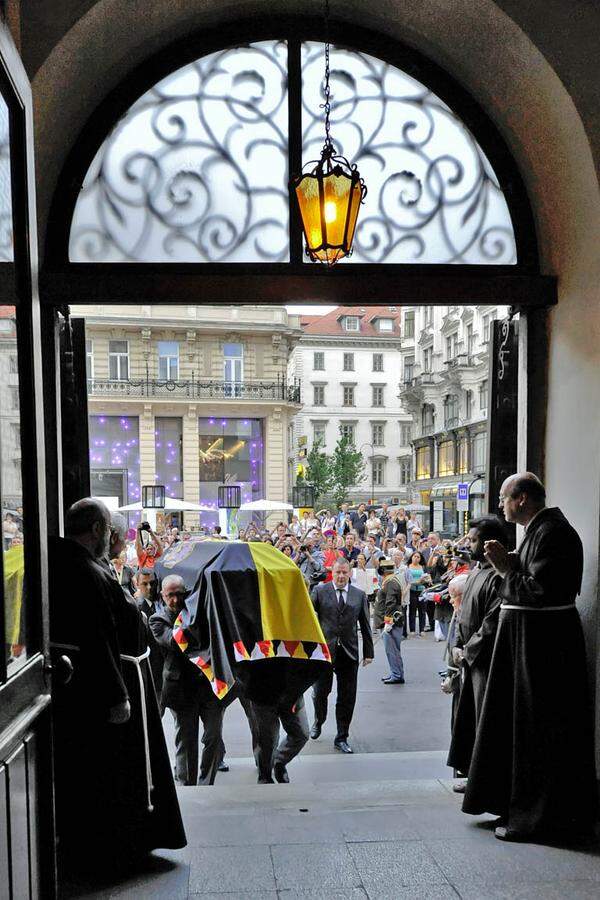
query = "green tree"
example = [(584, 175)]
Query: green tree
[(347, 468), (318, 471)]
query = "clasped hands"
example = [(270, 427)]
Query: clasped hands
[(499, 557)]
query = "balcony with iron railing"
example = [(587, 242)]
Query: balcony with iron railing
[(254, 390)]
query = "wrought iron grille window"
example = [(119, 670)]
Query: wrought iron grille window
[(348, 362), (319, 362), (378, 362), (378, 434), (197, 168)]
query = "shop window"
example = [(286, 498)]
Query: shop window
[(423, 462), (446, 452)]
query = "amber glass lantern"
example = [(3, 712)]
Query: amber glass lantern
[(329, 198)]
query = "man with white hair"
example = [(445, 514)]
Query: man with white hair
[(187, 693)]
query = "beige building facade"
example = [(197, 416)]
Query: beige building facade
[(190, 397)]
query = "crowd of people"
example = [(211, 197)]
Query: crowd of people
[(367, 570)]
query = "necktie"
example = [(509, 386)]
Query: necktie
[(340, 600)]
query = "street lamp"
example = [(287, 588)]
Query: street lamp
[(369, 444)]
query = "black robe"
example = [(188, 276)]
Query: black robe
[(533, 760), (477, 623), (100, 770)]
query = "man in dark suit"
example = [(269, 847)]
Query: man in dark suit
[(340, 607), (146, 596), (188, 695)]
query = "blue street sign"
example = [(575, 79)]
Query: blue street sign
[(462, 497)]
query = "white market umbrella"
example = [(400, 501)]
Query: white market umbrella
[(171, 505), (265, 506)]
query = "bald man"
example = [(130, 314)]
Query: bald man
[(188, 694), (532, 762)]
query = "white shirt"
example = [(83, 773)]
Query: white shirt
[(344, 592)]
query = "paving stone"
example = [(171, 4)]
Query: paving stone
[(295, 827), (312, 867), (237, 895), (347, 894), (213, 830), (414, 892), (376, 825), (468, 862), (231, 870), (435, 821), (399, 863), (546, 890)]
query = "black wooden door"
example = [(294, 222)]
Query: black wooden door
[(27, 867)]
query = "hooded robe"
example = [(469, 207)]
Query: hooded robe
[(533, 759)]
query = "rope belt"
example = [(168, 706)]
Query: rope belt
[(137, 661), (538, 608)]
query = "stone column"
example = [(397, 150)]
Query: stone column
[(147, 448), (191, 481), (275, 461)]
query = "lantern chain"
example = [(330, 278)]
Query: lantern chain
[(328, 150)]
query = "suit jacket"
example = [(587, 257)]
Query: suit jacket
[(182, 682), (340, 626)]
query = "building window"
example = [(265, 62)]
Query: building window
[(409, 324), (378, 434), (118, 360), (378, 362), (427, 359), (14, 397), (405, 435), (446, 458), (423, 462), (409, 369), (230, 450), (89, 360), (233, 364), (452, 346), (168, 360), (319, 434), (405, 471), (318, 395), (483, 395), (348, 431), (427, 418), (352, 323), (378, 472), (429, 315), (377, 395), (451, 411), (468, 405), (348, 362), (13, 364), (348, 396), (319, 362), (485, 326), (386, 324), (463, 455), (115, 457), (470, 339), (479, 452)]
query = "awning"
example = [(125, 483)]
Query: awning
[(447, 490)]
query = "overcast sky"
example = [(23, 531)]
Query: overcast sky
[(305, 309)]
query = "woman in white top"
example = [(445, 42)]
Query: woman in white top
[(373, 525), (365, 578)]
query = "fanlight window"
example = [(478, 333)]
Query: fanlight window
[(197, 169)]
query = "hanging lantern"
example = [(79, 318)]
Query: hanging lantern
[(330, 194)]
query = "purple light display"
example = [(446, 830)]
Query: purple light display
[(115, 457), (168, 444), (230, 450)]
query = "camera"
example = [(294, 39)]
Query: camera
[(144, 526)]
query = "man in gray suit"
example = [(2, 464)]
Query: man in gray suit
[(340, 608)]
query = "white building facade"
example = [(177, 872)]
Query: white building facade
[(444, 386), (349, 363)]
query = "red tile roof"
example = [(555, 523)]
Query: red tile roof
[(331, 323)]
